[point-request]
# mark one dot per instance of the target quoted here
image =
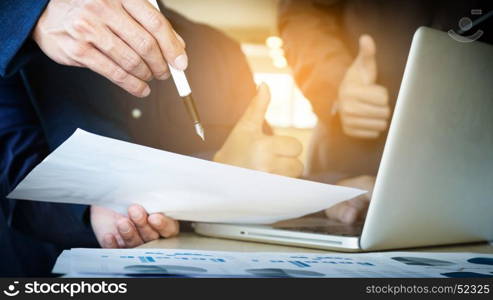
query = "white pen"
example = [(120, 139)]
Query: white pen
[(185, 92)]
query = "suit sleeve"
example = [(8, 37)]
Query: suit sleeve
[(17, 20), (9, 263), (22, 146), (315, 49)]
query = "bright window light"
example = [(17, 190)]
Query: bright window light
[(274, 42), (288, 106)]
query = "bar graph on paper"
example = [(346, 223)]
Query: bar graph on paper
[(194, 263)]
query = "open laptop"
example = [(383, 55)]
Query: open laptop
[(435, 181)]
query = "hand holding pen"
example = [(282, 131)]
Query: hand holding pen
[(127, 41)]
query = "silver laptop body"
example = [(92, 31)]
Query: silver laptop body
[(435, 181)]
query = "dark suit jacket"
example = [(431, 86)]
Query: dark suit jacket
[(61, 99), (321, 41), (22, 146)]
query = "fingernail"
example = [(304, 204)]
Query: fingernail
[(146, 91), (124, 227), (135, 214), (181, 62)]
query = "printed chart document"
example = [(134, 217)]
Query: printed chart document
[(96, 170), (197, 263)]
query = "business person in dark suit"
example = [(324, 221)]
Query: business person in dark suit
[(27, 225), (23, 143), (348, 58), (63, 98)]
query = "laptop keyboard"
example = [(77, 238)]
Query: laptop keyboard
[(344, 230), (320, 225)]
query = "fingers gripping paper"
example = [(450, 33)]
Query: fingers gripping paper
[(95, 170)]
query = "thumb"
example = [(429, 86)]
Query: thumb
[(366, 59), (255, 113)]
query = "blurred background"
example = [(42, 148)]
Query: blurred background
[(253, 24)]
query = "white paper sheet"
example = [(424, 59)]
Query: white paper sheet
[(196, 263), (91, 169)]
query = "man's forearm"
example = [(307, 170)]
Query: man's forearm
[(315, 49)]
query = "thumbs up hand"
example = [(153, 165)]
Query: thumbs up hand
[(248, 147), (363, 104)]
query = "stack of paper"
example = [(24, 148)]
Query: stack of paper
[(194, 263), (91, 169)]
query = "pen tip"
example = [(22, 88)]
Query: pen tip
[(200, 131)]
